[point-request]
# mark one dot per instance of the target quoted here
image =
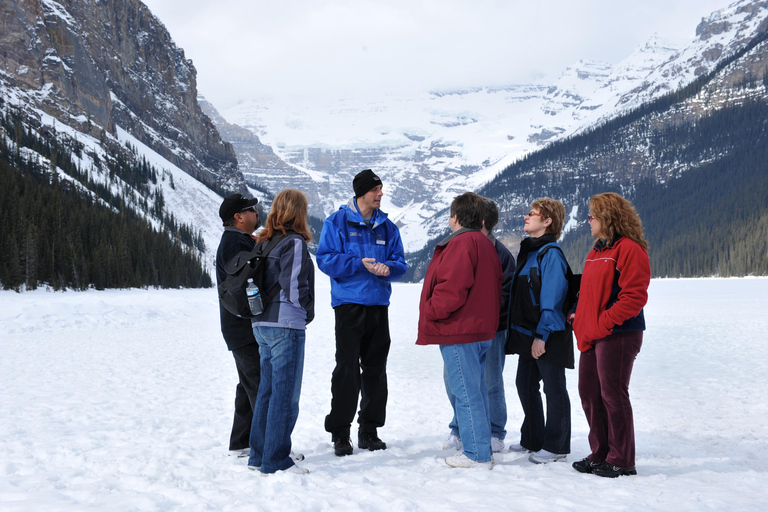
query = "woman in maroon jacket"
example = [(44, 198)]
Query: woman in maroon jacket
[(609, 325)]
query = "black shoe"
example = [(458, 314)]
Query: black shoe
[(610, 471), (584, 465), (370, 441), (342, 446)]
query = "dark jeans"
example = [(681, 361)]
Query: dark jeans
[(362, 347), (554, 435), (248, 369), (604, 373), (277, 407)]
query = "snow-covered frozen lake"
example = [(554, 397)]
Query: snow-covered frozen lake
[(122, 400)]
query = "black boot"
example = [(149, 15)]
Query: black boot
[(584, 465), (342, 445), (370, 441), (610, 471)]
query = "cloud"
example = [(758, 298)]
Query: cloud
[(245, 49)]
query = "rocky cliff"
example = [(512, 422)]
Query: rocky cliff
[(96, 65)]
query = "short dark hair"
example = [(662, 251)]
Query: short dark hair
[(491, 214), (469, 210)]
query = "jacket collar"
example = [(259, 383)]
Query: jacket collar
[(531, 244), (453, 235), (599, 245), (233, 229), (353, 214)]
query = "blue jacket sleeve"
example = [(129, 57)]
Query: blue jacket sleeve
[(554, 288), (395, 257), (331, 258)]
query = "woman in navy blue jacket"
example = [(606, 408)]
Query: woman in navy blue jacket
[(280, 332), (538, 333)]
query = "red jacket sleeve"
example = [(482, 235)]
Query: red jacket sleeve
[(634, 277)]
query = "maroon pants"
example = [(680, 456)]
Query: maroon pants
[(604, 373)]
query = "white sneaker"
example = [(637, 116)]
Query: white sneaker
[(297, 470), (452, 442), (462, 461), (517, 447), (245, 452), (297, 456), (544, 457), (497, 444)]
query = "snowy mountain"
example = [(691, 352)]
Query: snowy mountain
[(104, 79), (429, 146)]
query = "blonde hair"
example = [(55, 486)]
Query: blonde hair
[(617, 217), (289, 211), (551, 209)]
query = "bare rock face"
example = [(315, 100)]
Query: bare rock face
[(99, 64)]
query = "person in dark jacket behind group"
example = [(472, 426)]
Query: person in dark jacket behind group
[(361, 251), (495, 358), (280, 332), (240, 218), (459, 311), (609, 325), (538, 333)]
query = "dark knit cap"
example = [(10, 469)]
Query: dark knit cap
[(235, 204), (365, 181)]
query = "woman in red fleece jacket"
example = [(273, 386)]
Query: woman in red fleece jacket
[(609, 325)]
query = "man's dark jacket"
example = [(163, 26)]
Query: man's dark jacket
[(237, 331)]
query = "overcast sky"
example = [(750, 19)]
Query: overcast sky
[(244, 48)]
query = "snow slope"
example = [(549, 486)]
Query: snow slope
[(122, 400)]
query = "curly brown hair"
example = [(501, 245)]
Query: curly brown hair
[(289, 211), (618, 217)]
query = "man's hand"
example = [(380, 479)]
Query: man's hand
[(379, 269), (537, 349)]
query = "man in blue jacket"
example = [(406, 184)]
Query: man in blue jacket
[(361, 251)]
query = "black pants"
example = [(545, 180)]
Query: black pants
[(248, 365), (362, 347), (536, 433)]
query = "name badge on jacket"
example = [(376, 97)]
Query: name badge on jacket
[(381, 242)]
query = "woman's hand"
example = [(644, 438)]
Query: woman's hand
[(571, 318), (538, 348)]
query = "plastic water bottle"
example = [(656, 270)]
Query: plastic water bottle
[(254, 298)]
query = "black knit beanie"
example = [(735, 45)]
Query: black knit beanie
[(365, 181)]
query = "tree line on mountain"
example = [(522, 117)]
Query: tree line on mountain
[(708, 219), (79, 234), (699, 183)]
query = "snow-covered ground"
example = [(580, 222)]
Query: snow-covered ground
[(122, 400)]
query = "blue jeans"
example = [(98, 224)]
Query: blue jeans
[(464, 371), (554, 435), (277, 405), (494, 379)]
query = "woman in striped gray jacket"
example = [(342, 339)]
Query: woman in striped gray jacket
[(280, 332)]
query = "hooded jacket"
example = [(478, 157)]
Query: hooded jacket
[(345, 240), (614, 289), (461, 295)]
